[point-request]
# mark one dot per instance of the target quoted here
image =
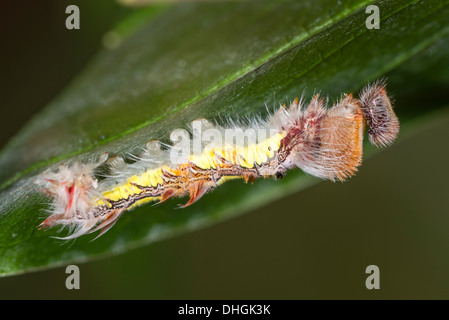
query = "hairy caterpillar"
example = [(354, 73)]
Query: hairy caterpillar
[(323, 142)]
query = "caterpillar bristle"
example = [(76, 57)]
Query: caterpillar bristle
[(153, 146), (378, 111)]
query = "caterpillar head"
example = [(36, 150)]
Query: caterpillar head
[(326, 143)]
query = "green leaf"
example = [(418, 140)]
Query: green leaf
[(201, 60)]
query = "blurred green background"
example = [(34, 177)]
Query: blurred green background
[(314, 244)]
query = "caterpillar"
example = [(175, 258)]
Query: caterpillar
[(325, 142)]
